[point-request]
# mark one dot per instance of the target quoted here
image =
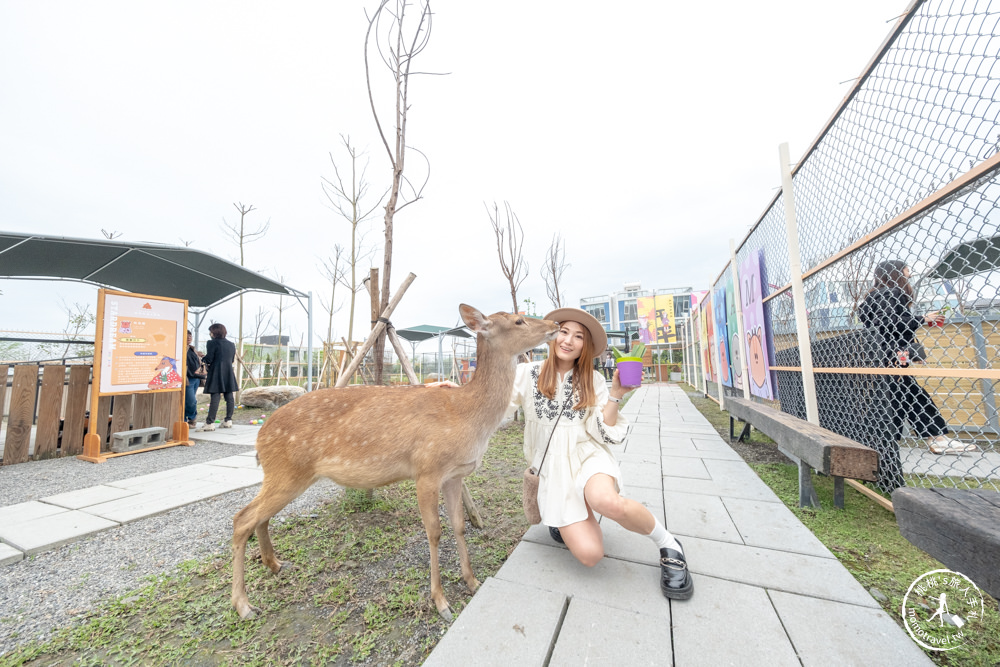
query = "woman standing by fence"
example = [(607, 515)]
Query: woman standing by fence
[(886, 313)]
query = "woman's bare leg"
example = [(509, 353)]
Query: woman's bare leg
[(602, 495), (584, 540)]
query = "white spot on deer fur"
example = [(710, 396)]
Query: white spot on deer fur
[(291, 438)]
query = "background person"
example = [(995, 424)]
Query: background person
[(194, 377), (221, 380), (609, 366), (580, 475), (886, 313)]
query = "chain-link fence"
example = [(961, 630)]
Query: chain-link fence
[(21, 346), (897, 228)]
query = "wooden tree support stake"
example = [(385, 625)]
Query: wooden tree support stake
[(376, 331)]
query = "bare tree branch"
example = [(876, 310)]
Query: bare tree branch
[(552, 271), (347, 202), (397, 53), (510, 245), (241, 236)]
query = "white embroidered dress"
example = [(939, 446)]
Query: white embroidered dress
[(579, 448)]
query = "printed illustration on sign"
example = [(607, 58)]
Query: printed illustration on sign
[(656, 316), (166, 376), (141, 344), (722, 334), (757, 343), (735, 356), (139, 351), (709, 348)]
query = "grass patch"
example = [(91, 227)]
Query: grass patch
[(358, 589), (865, 538), (720, 420)]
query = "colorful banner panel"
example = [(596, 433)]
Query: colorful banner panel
[(758, 336), (143, 343), (722, 334), (708, 338), (733, 324), (656, 319)]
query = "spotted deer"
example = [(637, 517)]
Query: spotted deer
[(371, 436)]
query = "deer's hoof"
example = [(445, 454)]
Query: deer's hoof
[(473, 585), (446, 614), (246, 611), (278, 566)]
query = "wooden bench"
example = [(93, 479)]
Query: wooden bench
[(959, 527), (809, 446)]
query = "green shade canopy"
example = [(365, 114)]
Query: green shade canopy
[(174, 272), (427, 331), (966, 259)]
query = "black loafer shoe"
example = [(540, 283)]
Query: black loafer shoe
[(555, 535), (675, 579)]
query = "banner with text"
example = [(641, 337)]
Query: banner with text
[(143, 343)]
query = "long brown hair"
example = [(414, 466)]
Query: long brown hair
[(583, 374), (889, 275)]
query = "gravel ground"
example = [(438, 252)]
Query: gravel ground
[(51, 589)]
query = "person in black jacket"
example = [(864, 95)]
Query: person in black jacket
[(194, 378), (219, 356), (886, 313)]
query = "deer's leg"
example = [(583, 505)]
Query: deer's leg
[(428, 492), (255, 516), (266, 548), (453, 501)]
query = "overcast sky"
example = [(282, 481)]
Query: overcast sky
[(646, 133)]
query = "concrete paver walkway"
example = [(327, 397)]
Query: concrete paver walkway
[(767, 592)]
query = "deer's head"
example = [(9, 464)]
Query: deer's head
[(506, 334)]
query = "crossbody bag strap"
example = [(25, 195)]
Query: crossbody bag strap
[(554, 424)]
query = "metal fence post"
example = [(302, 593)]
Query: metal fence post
[(740, 329)]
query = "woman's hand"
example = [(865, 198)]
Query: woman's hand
[(442, 383), (934, 318), (617, 390)]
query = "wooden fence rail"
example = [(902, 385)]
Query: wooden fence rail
[(54, 399)]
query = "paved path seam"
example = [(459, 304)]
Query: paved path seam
[(36, 526)]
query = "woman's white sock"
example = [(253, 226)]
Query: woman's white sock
[(663, 538)]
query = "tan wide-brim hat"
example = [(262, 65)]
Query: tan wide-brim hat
[(597, 332)]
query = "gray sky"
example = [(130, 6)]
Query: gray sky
[(646, 133)]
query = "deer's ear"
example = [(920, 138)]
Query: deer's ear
[(474, 319)]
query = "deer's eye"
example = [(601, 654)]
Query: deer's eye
[(519, 320)]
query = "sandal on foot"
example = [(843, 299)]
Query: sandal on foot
[(675, 579), (556, 535), (952, 446)]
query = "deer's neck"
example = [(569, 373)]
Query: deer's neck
[(491, 386)]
